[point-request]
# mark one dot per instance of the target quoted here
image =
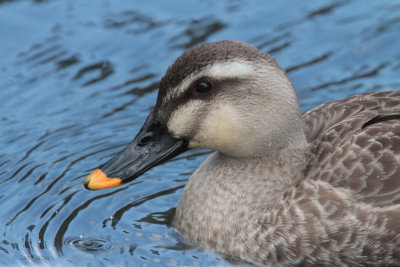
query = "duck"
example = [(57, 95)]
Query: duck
[(281, 188)]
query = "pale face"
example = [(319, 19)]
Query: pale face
[(210, 120), (242, 107), (220, 129)]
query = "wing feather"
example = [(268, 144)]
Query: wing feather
[(357, 145)]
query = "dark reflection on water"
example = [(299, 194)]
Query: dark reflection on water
[(77, 80), (164, 218), (198, 31)]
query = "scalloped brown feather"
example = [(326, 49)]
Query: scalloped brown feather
[(357, 141)]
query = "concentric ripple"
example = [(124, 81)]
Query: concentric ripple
[(90, 245)]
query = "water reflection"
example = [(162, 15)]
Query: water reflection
[(104, 69), (59, 236), (119, 213), (163, 217), (78, 80), (197, 32), (140, 22)]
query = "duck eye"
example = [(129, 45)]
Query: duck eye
[(203, 87)]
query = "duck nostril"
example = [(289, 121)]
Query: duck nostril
[(145, 139)]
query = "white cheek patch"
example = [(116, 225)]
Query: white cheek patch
[(222, 70), (221, 130), (183, 120)]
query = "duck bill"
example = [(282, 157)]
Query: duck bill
[(152, 146)]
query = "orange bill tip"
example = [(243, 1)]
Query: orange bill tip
[(99, 180)]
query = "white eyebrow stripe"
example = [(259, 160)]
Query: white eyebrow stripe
[(219, 70), (230, 69)]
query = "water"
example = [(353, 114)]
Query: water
[(77, 79)]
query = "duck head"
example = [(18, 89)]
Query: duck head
[(225, 96)]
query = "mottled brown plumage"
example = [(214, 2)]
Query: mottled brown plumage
[(357, 141), (324, 188)]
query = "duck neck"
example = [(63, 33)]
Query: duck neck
[(231, 190), (267, 178)]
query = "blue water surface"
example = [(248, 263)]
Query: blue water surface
[(78, 78)]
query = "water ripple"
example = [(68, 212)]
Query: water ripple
[(90, 245)]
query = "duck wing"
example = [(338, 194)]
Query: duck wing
[(356, 144)]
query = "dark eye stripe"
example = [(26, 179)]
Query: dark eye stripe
[(190, 93)]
